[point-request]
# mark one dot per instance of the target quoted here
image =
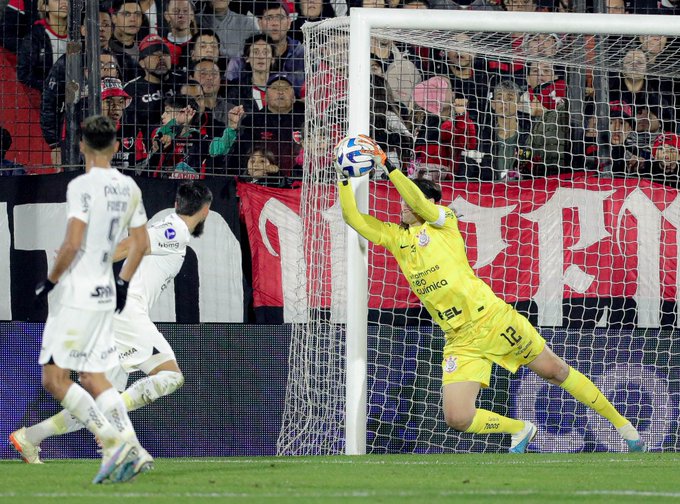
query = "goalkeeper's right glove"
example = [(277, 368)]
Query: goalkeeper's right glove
[(41, 292)]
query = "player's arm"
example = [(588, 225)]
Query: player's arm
[(123, 248), (413, 196), (75, 232), (366, 225), (138, 244)]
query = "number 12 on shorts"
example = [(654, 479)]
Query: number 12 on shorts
[(511, 336)]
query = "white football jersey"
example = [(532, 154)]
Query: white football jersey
[(168, 241), (109, 203)]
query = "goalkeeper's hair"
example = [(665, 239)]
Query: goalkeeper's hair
[(99, 132), (428, 187), (191, 197)]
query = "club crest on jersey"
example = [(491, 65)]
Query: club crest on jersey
[(170, 233), (423, 238), (450, 364), (128, 142)]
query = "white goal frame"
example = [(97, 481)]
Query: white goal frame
[(362, 21)]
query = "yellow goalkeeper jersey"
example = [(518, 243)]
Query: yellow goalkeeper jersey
[(432, 256)]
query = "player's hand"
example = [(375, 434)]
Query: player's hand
[(374, 150), (41, 292), (121, 294), (342, 177)]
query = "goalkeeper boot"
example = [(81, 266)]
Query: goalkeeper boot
[(521, 440), (636, 445), (29, 452), (117, 464)]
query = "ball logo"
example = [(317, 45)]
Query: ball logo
[(170, 233), (450, 364)]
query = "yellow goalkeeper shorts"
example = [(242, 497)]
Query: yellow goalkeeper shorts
[(503, 336)]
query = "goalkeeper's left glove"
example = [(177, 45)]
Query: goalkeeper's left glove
[(121, 294), (378, 155)]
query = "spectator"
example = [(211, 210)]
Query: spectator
[(127, 21), (179, 15), (208, 125), (153, 12), (231, 28), (665, 159), (384, 54), (250, 89), (204, 45), (422, 56), (388, 128), (8, 167), (44, 44), (445, 131), (17, 20), (468, 79), (652, 108), (207, 73), (127, 66), (263, 169), (131, 148), (289, 53), (278, 126), (310, 11), (541, 45), (549, 131), (508, 135), (149, 90), (52, 103), (622, 138), (178, 150)]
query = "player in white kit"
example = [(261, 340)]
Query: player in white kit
[(82, 292), (140, 345)]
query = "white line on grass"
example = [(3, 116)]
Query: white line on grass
[(354, 494), (456, 460)]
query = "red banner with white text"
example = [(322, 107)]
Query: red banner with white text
[(542, 240)]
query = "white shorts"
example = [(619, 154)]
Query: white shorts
[(79, 340), (141, 346)]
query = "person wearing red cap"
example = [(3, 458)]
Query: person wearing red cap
[(131, 148), (149, 90)]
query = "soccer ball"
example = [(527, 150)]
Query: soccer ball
[(354, 157)]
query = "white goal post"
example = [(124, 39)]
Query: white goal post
[(347, 416)]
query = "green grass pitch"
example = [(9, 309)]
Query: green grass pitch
[(540, 478)]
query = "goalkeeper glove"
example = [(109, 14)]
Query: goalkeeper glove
[(378, 155), (41, 292), (121, 294)]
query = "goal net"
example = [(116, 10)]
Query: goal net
[(559, 151)]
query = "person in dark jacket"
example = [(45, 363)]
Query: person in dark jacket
[(52, 103), (149, 91), (17, 20), (278, 127), (44, 44), (250, 88)]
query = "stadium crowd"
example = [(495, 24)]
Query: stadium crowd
[(218, 87)]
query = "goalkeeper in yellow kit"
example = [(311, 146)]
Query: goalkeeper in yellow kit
[(480, 328)]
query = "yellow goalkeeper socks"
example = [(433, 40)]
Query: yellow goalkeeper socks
[(587, 393), (488, 422)]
